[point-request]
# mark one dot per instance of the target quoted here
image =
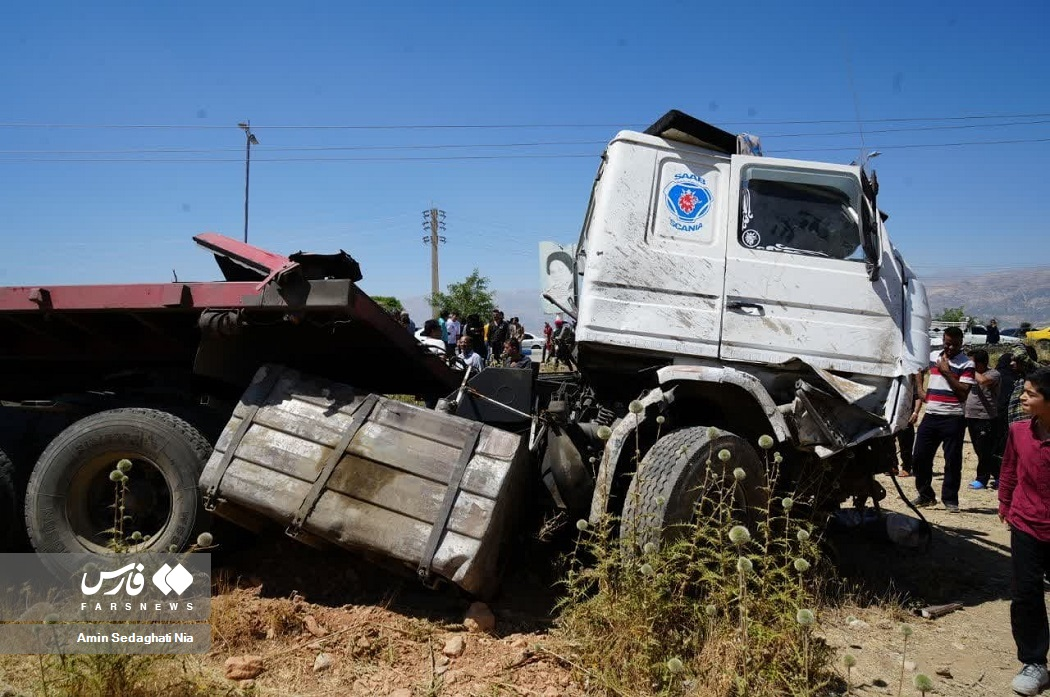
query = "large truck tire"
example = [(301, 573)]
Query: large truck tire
[(70, 496), (10, 520), (663, 495)]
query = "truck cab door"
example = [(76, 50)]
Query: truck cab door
[(653, 251), (802, 270)]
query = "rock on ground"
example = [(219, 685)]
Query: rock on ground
[(454, 647), (479, 618), (313, 627), (244, 667), (322, 662)]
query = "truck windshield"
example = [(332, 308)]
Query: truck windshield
[(812, 214)]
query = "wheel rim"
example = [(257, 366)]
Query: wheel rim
[(90, 509)]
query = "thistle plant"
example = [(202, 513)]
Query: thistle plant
[(923, 683), (805, 619), (787, 503), (636, 408), (849, 660), (642, 615), (118, 539), (710, 611), (740, 536), (906, 632), (801, 566)]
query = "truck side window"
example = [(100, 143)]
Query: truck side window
[(813, 214)]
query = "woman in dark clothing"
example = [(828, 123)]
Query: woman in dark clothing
[(1008, 377), (476, 331)]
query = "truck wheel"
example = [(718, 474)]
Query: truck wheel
[(663, 495), (1043, 345), (69, 501), (9, 518)]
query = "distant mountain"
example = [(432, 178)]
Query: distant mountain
[(1012, 297)]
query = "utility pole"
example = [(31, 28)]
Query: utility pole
[(249, 141), (434, 223)]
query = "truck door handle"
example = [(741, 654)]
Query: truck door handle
[(744, 306)]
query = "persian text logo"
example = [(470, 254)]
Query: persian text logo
[(132, 573), (129, 578)]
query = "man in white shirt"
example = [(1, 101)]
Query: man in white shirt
[(432, 337), (467, 355), (454, 329)]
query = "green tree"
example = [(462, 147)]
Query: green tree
[(389, 303), (952, 314), (471, 296)]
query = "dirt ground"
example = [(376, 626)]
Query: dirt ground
[(969, 652), (384, 634)]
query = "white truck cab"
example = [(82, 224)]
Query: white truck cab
[(698, 251)]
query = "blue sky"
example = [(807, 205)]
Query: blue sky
[(68, 214)]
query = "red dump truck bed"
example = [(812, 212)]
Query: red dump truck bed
[(304, 311)]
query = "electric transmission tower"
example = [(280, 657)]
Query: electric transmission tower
[(434, 223)]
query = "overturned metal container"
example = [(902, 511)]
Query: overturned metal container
[(435, 492)]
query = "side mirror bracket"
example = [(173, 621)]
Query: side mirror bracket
[(870, 236)]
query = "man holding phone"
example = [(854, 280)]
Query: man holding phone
[(951, 376)]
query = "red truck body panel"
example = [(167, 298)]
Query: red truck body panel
[(303, 310)]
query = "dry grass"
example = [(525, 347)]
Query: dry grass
[(240, 618), (716, 613), (110, 676)]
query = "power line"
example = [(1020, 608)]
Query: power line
[(446, 158), (497, 126), (922, 145), (459, 146), (891, 120), (305, 148), (906, 130), (189, 160)]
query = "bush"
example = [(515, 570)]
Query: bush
[(717, 609)]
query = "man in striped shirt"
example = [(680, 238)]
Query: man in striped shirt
[(951, 375)]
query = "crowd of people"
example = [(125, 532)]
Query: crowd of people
[(1006, 410), (497, 342)]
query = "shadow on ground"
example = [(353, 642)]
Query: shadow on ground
[(335, 578), (961, 565)]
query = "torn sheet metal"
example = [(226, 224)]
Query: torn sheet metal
[(829, 425), (850, 391)]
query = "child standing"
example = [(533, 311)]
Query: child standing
[(1024, 503)]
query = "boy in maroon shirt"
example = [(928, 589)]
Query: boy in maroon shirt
[(1024, 503)]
